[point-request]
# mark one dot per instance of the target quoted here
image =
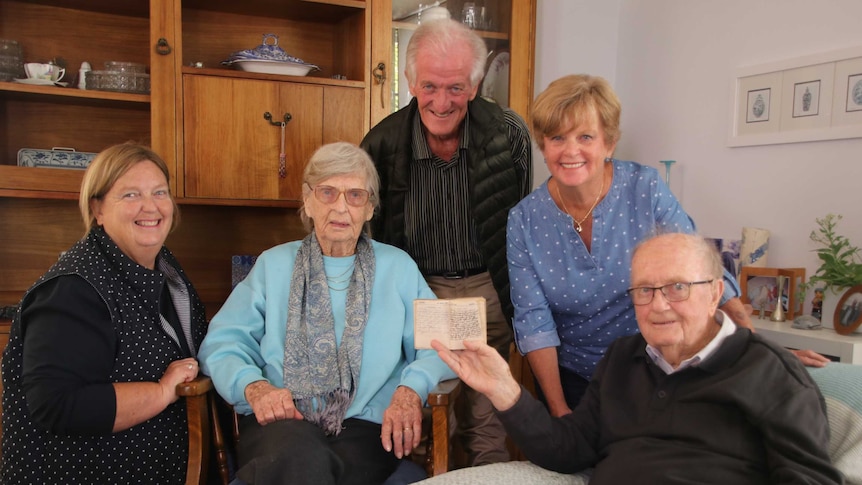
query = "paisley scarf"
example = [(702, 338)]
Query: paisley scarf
[(321, 375)]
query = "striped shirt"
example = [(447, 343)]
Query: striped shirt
[(440, 233)]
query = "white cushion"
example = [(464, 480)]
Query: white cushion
[(511, 473), (841, 386)]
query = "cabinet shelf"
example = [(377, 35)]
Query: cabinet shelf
[(485, 34), (40, 182), (12, 87), (303, 10), (223, 72)]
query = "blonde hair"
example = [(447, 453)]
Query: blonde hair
[(567, 102), (339, 158), (107, 167)]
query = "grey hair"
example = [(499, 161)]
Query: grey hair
[(440, 36), (705, 250), (334, 159)]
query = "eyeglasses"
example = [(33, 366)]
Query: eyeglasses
[(642, 295), (328, 195)]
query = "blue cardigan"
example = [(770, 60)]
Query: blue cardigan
[(245, 342)]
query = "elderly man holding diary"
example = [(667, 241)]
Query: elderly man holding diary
[(692, 398)]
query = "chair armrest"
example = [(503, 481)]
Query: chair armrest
[(445, 392), (198, 386), (440, 399)]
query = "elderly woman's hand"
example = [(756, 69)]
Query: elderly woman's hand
[(270, 403), (402, 422)]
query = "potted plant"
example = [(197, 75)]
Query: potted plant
[(840, 266)]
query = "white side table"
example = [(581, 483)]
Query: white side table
[(846, 348)]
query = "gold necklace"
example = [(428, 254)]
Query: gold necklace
[(579, 222)]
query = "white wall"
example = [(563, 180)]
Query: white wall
[(573, 37), (675, 60)]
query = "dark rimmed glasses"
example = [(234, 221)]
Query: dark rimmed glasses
[(642, 295), (328, 195)]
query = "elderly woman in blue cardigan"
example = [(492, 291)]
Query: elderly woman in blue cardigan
[(315, 347)]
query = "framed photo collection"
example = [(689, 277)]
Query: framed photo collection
[(816, 97)]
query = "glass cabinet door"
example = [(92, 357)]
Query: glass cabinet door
[(507, 26)]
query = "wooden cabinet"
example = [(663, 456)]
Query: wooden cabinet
[(233, 148), (230, 152), (207, 121), (45, 117), (204, 119)]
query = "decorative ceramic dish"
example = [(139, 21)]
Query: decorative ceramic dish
[(57, 157), (272, 67), (496, 83), (269, 58)]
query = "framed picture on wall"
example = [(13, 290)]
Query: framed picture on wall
[(807, 98), (759, 288), (847, 107), (854, 93), (757, 110)]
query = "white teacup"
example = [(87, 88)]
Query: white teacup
[(48, 72)]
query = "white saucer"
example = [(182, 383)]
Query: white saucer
[(41, 82)]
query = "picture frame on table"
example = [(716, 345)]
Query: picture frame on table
[(848, 312), (759, 288), (795, 278)]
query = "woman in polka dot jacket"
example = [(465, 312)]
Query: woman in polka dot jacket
[(570, 241), (102, 339)]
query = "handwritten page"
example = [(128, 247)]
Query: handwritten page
[(449, 321)]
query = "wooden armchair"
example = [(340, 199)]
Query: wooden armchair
[(205, 430)]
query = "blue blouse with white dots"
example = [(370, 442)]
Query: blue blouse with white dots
[(567, 296)]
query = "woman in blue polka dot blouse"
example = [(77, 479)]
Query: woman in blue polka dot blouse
[(570, 241)]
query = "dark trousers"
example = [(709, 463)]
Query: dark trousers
[(298, 452), (574, 388)]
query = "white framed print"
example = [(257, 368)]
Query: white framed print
[(757, 111), (804, 88), (847, 103), (814, 97)]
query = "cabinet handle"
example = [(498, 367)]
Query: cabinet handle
[(162, 46), (282, 156), (379, 74), (268, 116)]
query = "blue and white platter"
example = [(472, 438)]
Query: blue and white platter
[(55, 158)]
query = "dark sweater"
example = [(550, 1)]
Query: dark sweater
[(90, 321), (749, 414)]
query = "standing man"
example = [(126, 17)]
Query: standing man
[(451, 166)]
